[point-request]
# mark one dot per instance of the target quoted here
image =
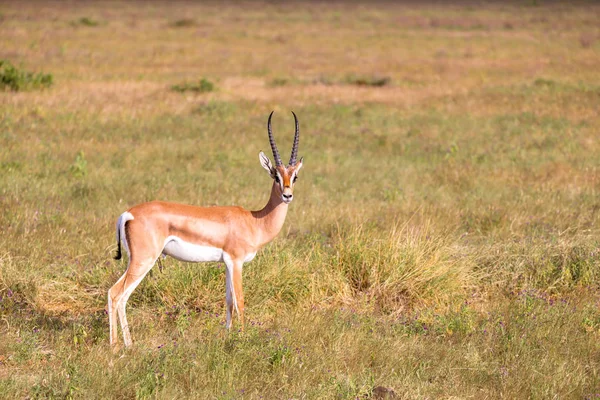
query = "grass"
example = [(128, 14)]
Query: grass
[(443, 240)]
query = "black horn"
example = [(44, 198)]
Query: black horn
[(272, 141), (296, 140)]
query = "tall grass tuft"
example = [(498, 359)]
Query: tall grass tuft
[(400, 268)]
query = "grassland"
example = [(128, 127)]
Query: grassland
[(443, 240)]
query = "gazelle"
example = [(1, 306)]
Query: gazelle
[(199, 234)]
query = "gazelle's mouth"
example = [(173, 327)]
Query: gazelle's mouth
[(286, 200)]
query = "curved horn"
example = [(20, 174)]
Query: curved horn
[(296, 140), (272, 141)]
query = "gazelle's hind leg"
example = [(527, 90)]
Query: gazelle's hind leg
[(114, 295), (133, 277), (120, 293)]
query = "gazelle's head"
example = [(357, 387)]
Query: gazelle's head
[(285, 177)]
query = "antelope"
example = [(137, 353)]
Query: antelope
[(200, 234)]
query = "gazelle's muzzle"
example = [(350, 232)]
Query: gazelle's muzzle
[(287, 195)]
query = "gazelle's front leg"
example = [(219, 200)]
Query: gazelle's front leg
[(239, 291), (234, 290)]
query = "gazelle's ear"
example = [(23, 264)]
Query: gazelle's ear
[(299, 164), (266, 163)]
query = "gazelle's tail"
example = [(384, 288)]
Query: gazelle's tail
[(123, 218)]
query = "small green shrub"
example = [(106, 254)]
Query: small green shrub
[(85, 21), (79, 167), (279, 82), (541, 82), (374, 80), (279, 355), (16, 79), (183, 23), (202, 86)]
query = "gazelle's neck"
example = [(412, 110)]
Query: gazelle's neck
[(271, 218)]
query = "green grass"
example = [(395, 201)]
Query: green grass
[(16, 79), (443, 241)]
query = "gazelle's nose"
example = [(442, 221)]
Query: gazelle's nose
[(287, 197)]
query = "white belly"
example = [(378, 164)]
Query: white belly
[(185, 251), (249, 257)]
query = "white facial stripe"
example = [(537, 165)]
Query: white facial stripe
[(185, 251)]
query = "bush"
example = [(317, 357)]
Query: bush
[(79, 167), (374, 80), (279, 82), (85, 21), (202, 86), (15, 79), (183, 23)]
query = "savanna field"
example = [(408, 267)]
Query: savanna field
[(443, 241)]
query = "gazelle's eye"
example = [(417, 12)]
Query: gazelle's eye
[(277, 179), (295, 178)]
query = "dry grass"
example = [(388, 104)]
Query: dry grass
[(443, 240)]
